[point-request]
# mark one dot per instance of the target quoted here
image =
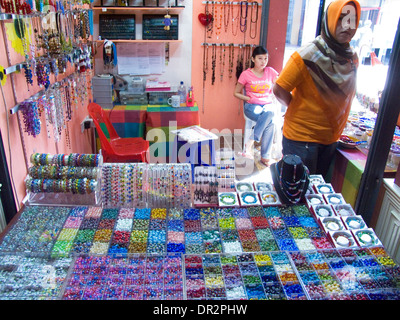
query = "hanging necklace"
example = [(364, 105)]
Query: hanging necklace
[(221, 60), (22, 32), (239, 62), (205, 61), (210, 26), (231, 50), (247, 56), (30, 112), (227, 12), (213, 62), (235, 21), (219, 23), (253, 20), (243, 16), (289, 188)]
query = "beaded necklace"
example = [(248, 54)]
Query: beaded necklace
[(219, 24), (221, 60), (239, 62), (31, 118), (235, 21), (253, 20), (205, 62), (213, 62), (231, 50), (299, 185), (209, 30), (227, 12), (247, 56), (22, 32), (243, 16)]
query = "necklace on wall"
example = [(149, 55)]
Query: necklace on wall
[(218, 24), (243, 15), (22, 33), (253, 19), (213, 61), (205, 62), (247, 56), (210, 26), (235, 20), (221, 60), (231, 52), (227, 12), (239, 62)]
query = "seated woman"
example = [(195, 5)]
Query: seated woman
[(257, 82)]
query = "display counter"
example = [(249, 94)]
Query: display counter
[(147, 240), (347, 172), (257, 252)]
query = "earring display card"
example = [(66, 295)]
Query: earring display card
[(154, 27), (117, 26)]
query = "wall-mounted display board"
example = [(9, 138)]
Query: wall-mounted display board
[(154, 27), (117, 26)]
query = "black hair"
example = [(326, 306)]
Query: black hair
[(257, 50)]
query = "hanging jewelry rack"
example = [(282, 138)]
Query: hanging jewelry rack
[(244, 15), (12, 69), (229, 44), (15, 109), (231, 2)]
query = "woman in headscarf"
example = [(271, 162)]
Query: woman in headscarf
[(318, 85)]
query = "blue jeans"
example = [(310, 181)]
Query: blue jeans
[(264, 128), (317, 157)]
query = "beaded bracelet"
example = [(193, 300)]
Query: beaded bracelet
[(73, 159)]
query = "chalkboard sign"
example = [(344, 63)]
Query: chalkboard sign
[(117, 26), (153, 27)]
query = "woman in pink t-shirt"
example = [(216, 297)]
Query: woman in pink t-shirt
[(254, 87)]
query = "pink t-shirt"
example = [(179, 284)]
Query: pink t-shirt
[(258, 89)]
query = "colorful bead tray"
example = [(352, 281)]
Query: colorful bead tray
[(96, 230), (331, 274), (120, 234)]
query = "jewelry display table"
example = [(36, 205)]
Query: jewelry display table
[(275, 253), (347, 171)]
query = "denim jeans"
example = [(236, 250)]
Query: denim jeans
[(317, 157), (264, 128)]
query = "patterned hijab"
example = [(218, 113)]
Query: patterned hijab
[(332, 65)]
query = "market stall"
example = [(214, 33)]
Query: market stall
[(146, 240)]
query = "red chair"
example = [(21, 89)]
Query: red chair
[(117, 149)]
